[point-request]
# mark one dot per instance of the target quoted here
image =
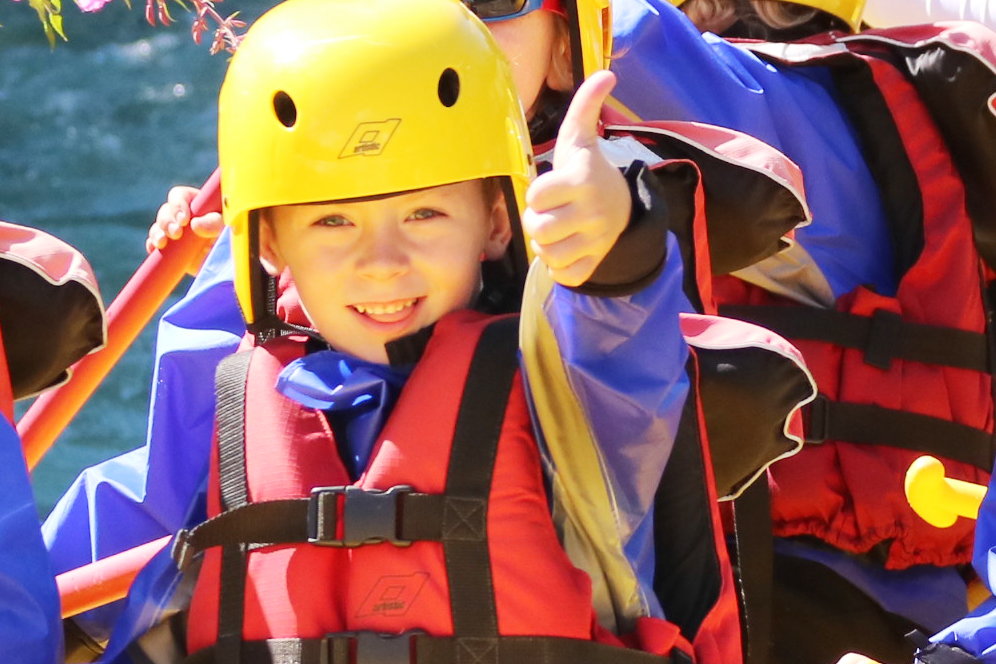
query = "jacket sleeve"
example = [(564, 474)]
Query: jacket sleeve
[(607, 383), (30, 626), (639, 254), (144, 494)]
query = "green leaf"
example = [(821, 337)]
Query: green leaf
[(50, 14), (56, 21)]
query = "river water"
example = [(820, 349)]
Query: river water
[(92, 135)]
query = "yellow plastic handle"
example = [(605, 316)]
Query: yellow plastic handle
[(940, 500)]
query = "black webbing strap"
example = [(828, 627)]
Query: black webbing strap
[(874, 425), (230, 391), (409, 648), (883, 336), (255, 523), (468, 482), (366, 517), (754, 564), (687, 573)]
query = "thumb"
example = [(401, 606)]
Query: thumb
[(580, 126)]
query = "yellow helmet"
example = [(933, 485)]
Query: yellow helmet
[(849, 11), (338, 99)]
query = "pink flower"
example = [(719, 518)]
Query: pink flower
[(91, 5)]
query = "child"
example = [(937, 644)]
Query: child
[(893, 175), (384, 240)]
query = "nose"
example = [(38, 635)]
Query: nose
[(383, 254)]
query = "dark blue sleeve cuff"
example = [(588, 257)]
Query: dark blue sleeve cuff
[(638, 255)]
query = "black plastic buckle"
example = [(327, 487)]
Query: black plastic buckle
[(182, 552), (373, 648), (817, 429), (370, 648), (369, 516)]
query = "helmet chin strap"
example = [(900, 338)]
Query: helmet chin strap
[(408, 349)]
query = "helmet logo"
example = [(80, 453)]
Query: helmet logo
[(369, 138)]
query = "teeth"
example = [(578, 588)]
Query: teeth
[(377, 309)]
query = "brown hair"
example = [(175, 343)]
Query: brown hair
[(706, 14), (774, 20), (491, 187), (561, 59), (783, 15)]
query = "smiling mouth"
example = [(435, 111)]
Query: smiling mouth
[(384, 308)]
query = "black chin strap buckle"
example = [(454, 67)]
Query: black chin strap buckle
[(368, 516)]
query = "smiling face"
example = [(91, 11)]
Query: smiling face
[(372, 271)]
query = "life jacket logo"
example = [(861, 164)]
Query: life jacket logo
[(369, 138), (392, 596)]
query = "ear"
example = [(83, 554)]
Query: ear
[(269, 254), (501, 231)]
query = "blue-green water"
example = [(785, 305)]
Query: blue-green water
[(92, 135)]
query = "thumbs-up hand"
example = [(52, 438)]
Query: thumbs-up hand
[(576, 212)]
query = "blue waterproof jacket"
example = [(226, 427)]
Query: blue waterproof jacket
[(152, 488), (30, 625), (976, 633)]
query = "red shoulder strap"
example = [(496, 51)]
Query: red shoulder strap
[(6, 393)]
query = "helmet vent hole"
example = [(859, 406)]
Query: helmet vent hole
[(449, 87), (284, 108)]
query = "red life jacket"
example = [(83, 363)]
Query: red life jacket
[(446, 539), (905, 375)]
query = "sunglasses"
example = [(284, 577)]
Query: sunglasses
[(500, 10)]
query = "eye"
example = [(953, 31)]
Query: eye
[(424, 213), (333, 221)]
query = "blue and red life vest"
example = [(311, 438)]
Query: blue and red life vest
[(906, 374), (446, 541)]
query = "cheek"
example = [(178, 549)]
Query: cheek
[(529, 56), (317, 267), (457, 269)]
